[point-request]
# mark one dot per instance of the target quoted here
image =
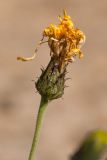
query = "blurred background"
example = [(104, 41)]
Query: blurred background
[(84, 104)]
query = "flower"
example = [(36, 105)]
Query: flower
[(64, 40)]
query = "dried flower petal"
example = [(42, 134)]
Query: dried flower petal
[(26, 59), (65, 41)]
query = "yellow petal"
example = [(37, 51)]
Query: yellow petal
[(26, 59), (65, 13), (81, 55)]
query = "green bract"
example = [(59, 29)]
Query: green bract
[(51, 82)]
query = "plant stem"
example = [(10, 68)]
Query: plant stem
[(42, 107)]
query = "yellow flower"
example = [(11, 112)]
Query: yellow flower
[(64, 40)]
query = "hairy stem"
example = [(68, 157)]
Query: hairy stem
[(42, 108)]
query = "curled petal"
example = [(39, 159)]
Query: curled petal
[(24, 59)]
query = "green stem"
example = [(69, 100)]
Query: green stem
[(43, 105)]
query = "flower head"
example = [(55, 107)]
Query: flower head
[(65, 43), (64, 40)]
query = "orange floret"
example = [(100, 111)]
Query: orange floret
[(64, 39)]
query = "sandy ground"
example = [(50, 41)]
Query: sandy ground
[(84, 104)]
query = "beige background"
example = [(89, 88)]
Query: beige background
[(84, 104)]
